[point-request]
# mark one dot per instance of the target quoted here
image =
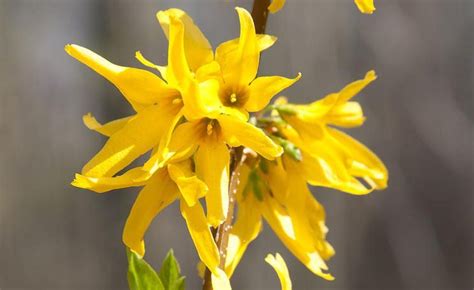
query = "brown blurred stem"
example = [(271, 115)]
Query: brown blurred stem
[(221, 235), (260, 15)]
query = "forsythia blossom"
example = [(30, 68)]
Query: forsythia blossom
[(191, 115)]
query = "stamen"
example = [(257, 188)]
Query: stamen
[(209, 128), (233, 98), (177, 101)]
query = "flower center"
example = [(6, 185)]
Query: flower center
[(177, 101), (233, 98), (209, 128)]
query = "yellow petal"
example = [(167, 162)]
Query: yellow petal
[(178, 72), (201, 235), (140, 87), (107, 129), (238, 133), (281, 222), (307, 213), (354, 88), (264, 41), (263, 89), (197, 48), (329, 170), (159, 192), (276, 6), (162, 69), (208, 71), (365, 6), (191, 187), (281, 269), (212, 165), (220, 280), (346, 115), (239, 67), (202, 100), (323, 163), (362, 162), (138, 136), (246, 229), (180, 145), (103, 184)]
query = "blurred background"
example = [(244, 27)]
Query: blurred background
[(417, 234)]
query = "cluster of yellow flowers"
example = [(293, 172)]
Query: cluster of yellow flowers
[(193, 117)]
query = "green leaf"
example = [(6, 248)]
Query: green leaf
[(170, 273), (289, 148), (141, 275), (254, 180)]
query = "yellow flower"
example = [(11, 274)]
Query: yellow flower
[(279, 194), (207, 139), (157, 104), (365, 6), (276, 5), (280, 267), (330, 157), (240, 90)]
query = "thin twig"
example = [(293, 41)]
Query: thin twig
[(260, 15)]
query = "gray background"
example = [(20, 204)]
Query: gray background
[(418, 234)]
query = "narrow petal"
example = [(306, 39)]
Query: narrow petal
[(282, 224), (107, 129), (162, 69), (208, 71), (220, 280), (347, 115), (264, 41), (201, 235), (178, 72), (140, 87), (276, 6), (238, 133), (239, 67), (263, 89), (197, 48), (159, 192), (179, 145), (246, 229), (138, 136), (191, 187), (365, 6), (362, 162), (323, 164), (212, 165), (131, 178), (354, 88), (281, 269)]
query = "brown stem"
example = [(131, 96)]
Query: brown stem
[(260, 14)]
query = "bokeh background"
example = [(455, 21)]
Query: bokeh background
[(417, 234)]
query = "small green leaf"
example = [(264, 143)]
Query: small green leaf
[(254, 180), (289, 148), (286, 110), (141, 275), (170, 273)]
